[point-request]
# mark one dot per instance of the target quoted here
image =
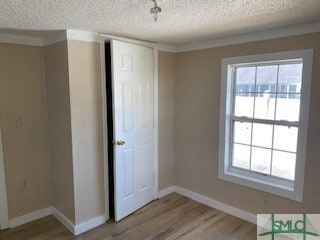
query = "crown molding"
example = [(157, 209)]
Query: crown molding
[(54, 38), (78, 35), (167, 48), (21, 40), (71, 34), (106, 37), (252, 37), (84, 36), (68, 34)]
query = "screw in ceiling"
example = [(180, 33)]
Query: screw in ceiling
[(155, 10)]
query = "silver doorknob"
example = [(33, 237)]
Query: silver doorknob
[(120, 142)]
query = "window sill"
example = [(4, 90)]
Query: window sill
[(261, 185)]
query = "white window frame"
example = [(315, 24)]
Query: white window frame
[(293, 190)]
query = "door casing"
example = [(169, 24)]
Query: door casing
[(4, 214), (106, 38)]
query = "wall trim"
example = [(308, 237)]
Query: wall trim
[(79, 228), (167, 48), (218, 205), (63, 220), (166, 191), (155, 122), (30, 217), (211, 203), (90, 224), (4, 216), (74, 229), (21, 40), (95, 222), (54, 38), (69, 34), (86, 36), (104, 129), (252, 37), (106, 38)]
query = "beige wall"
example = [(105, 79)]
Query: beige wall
[(22, 91), (166, 92), (71, 92), (59, 122), (87, 132), (197, 127), (189, 103)]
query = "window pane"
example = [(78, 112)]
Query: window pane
[(262, 135), (261, 160), (288, 107), (241, 156), (292, 90), (285, 138), (284, 165), (243, 106), (242, 132), (245, 79), (266, 77), (290, 76), (264, 106)]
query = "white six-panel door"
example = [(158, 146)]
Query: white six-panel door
[(133, 98)]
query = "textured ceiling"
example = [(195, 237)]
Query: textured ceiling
[(181, 21)]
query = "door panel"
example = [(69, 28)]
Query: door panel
[(128, 172), (144, 152), (133, 100), (128, 106), (143, 104)]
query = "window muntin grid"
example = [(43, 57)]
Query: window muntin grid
[(276, 88)]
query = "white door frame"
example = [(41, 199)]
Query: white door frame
[(4, 213), (107, 38)]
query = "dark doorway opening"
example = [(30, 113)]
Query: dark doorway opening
[(109, 127)]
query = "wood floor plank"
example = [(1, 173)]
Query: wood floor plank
[(187, 226), (156, 224), (170, 218), (151, 211)]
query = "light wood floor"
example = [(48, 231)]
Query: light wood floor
[(172, 217)]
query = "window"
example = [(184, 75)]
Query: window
[(263, 121)]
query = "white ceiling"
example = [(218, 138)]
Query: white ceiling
[(181, 21)]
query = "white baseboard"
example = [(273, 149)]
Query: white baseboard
[(95, 222), (30, 217), (74, 229), (210, 202), (166, 191), (80, 228), (86, 226), (63, 220), (218, 205)]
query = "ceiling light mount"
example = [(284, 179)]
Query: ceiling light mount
[(155, 10)]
